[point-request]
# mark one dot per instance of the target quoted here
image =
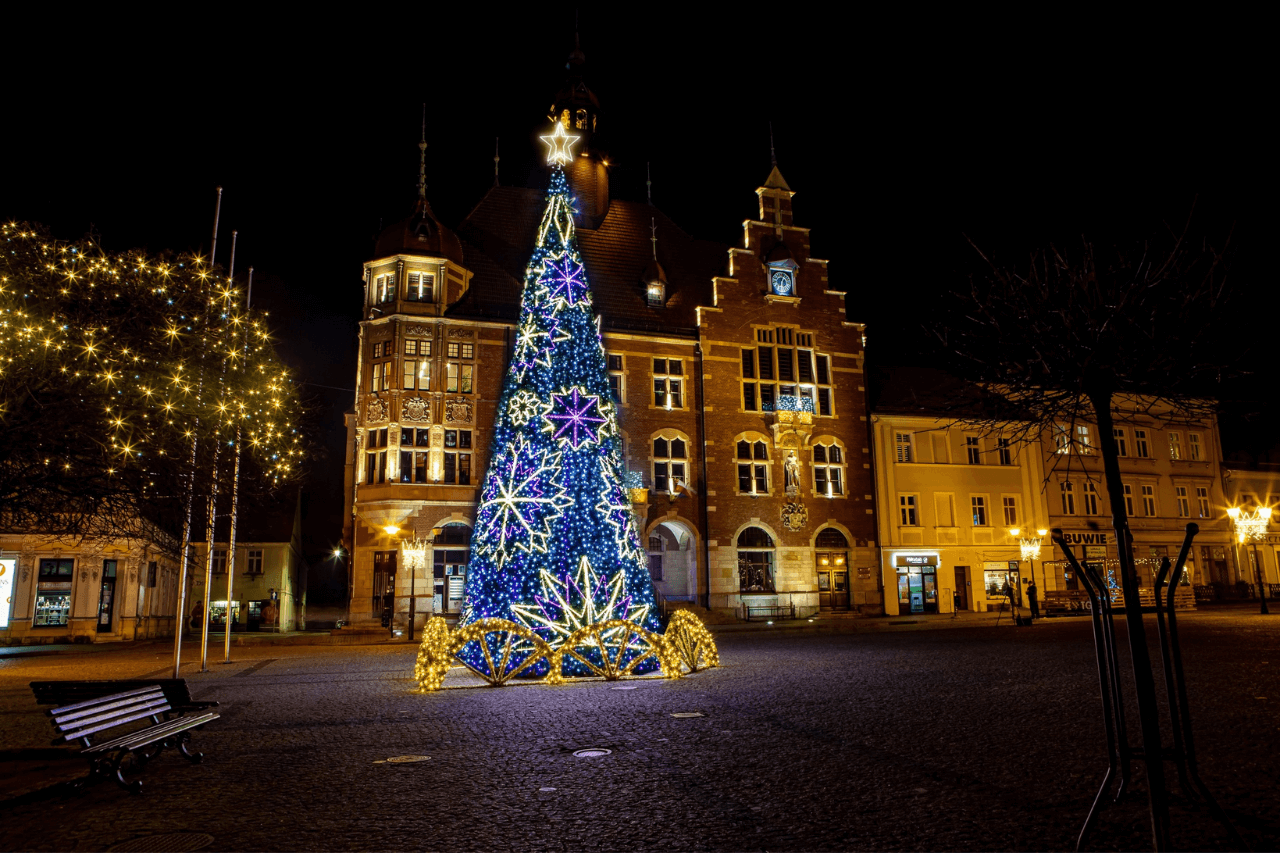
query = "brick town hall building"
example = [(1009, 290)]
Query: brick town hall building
[(738, 377)]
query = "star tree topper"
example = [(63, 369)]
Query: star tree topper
[(560, 145)]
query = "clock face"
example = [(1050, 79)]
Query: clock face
[(781, 282)]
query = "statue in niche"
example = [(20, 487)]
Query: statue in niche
[(791, 468)]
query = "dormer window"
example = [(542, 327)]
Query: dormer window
[(657, 294)]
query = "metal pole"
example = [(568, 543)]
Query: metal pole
[(235, 496), (1262, 589), (191, 481)]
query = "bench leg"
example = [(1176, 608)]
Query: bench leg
[(193, 757), (118, 767)]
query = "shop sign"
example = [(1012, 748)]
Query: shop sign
[(1000, 566), (1085, 538), (55, 586), (864, 573), (916, 560)]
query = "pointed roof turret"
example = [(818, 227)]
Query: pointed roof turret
[(421, 233), (775, 181)]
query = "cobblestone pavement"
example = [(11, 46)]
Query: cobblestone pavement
[(975, 738)]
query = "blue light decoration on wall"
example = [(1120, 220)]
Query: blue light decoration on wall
[(555, 546)]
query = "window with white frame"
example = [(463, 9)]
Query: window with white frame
[(1089, 496), (907, 514), (1128, 500), (420, 287), (973, 449), (384, 289), (753, 467), (1068, 497), (1195, 449), (903, 442), (1004, 453), (617, 377), (828, 467), (1202, 500), (978, 509), (1149, 500), (1084, 440), (253, 562), (1141, 448), (670, 462), (1184, 501), (1010, 503), (1175, 445), (219, 561), (417, 374), (668, 383), (1122, 445), (417, 346), (1061, 438)]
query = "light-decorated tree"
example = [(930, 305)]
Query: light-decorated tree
[(110, 365), (555, 546)]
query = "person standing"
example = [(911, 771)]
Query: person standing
[(197, 613), (1032, 602)]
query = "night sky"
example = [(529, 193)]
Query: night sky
[(899, 138)]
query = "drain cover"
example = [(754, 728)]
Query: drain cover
[(546, 789), (592, 752), (170, 842), (405, 759), (682, 715), (624, 687)]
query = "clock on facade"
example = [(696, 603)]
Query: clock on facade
[(781, 282)]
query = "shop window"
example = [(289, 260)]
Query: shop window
[(753, 467), (828, 468), (457, 457), (420, 287), (755, 561), (670, 457), (668, 383), (53, 593)]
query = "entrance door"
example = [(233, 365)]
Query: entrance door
[(833, 588), (962, 587), (106, 599), (384, 585)]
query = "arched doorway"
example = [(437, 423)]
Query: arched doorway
[(831, 556), (673, 560)]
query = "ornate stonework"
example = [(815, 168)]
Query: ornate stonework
[(461, 333), (418, 331), (376, 411), (459, 411), (795, 516), (415, 410)]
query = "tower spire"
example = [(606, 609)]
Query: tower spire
[(773, 156), (648, 183), (496, 140), (422, 162), (653, 230)]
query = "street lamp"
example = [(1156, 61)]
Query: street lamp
[(1252, 527), (414, 553), (1031, 550)]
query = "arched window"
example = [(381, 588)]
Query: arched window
[(580, 120), (753, 466), (670, 461), (830, 538), (828, 467), (755, 560)]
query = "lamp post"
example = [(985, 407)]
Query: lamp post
[(1252, 527), (415, 558), (1031, 550)]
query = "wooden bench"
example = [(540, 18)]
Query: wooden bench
[(69, 692), (110, 717)]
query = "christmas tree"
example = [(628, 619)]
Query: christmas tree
[(555, 546)]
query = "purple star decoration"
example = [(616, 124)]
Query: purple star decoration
[(576, 418), (563, 278)]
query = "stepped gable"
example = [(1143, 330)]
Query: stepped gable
[(498, 232)]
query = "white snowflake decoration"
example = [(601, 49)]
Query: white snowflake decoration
[(569, 603), (524, 407), (522, 498)]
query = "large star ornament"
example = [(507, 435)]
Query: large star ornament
[(575, 418), (560, 145)]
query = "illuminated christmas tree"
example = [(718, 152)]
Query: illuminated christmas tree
[(555, 546)]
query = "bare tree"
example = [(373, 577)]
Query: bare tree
[(1066, 337)]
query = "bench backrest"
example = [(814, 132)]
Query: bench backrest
[(79, 721), (66, 692)]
